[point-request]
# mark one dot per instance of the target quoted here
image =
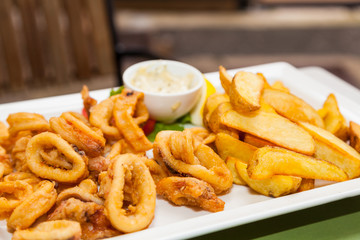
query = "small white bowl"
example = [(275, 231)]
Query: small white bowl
[(167, 107)]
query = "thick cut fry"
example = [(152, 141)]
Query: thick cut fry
[(273, 128), (354, 132), (245, 91), (212, 102), (231, 163), (270, 161), (214, 121), (333, 119), (292, 107), (275, 186), (266, 83), (306, 184), (225, 79), (334, 150), (227, 145), (256, 141), (278, 85)]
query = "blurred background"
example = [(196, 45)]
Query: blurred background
[(52, 47)]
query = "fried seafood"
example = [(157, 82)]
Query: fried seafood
[(157, 172), (27, 177), (86, 191), (52, 230), (130, 193), (18, 154), (4, 132), (127, 123), (23, 121), (37, 164), (202, 135), (5, 165), (191, 192), (39, 202), (90, 215), (88, 101), (11, 195), (101, 116), (76, 130), (179, 152)]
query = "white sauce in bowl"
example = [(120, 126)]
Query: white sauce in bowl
[(158, 79)]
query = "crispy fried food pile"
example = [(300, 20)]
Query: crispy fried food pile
[(78, 177), (275, 142)]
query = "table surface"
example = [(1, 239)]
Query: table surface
[(336, 220)]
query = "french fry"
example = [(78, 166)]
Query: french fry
[(273, 128), (333, 119), (270, 161), (332, 149), (212, 102), (266, 84), (227, 145), (214, 121), (230, 162), (306, 184), (354, 132), (275, 186), (256, 141), (292, 107), (245, 91), (225, 79), (278, 85)]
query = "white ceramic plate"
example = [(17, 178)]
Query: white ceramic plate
[(242, 204)]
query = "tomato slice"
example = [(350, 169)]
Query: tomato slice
[(149, 126), (84, 113)]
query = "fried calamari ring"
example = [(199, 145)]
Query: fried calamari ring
[(191, 192), (37, 165), (51, 230), (39, 202), (86, 191), (74, 130), (127, 125), (202, 135), (5, 165), (131, 195), (11, 195), (18, 154), (101, 117), (23, 121), (27, 177), (156, 171), (171, 148)]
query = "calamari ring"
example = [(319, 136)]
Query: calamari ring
[(211, 167), (2, 150), (86, 191), (74, 130), (14, 193), (126, 172), (18, 154), (191, 192), (39, 202), (202, 135), (23, 121), (27, 177), (128, 127), (41, 169), (156, 171), (101, 115), (57, 229)]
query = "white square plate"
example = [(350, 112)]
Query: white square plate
[(242, 205)]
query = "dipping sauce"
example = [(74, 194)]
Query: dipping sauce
[(157, 79)]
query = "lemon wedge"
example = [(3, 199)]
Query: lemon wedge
[(197, 112)]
